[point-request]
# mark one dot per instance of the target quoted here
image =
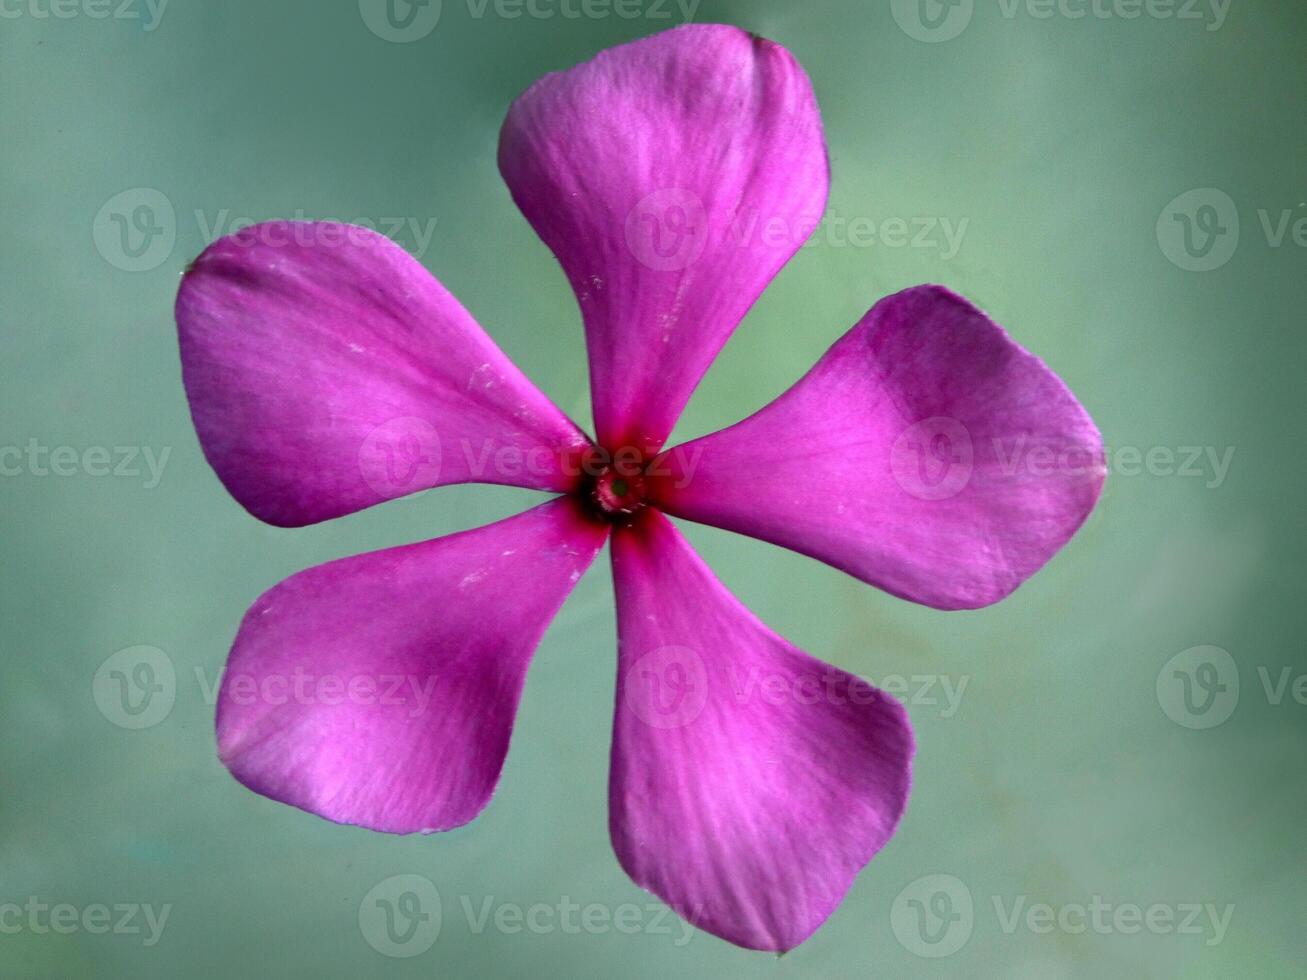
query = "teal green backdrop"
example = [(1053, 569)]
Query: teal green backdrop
[(1077, 812)]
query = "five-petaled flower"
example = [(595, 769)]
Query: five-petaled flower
[(327, 369)]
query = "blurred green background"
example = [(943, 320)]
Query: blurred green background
[(1071, 772)]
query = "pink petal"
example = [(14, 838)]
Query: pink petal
[(380, 690), (328, 371), (925, 453), (673, 178), (750, 782)]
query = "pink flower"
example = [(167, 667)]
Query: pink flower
[(327, 371)]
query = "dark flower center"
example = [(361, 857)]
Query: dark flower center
[(615, 488)]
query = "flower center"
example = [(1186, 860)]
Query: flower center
[(616, 492)]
